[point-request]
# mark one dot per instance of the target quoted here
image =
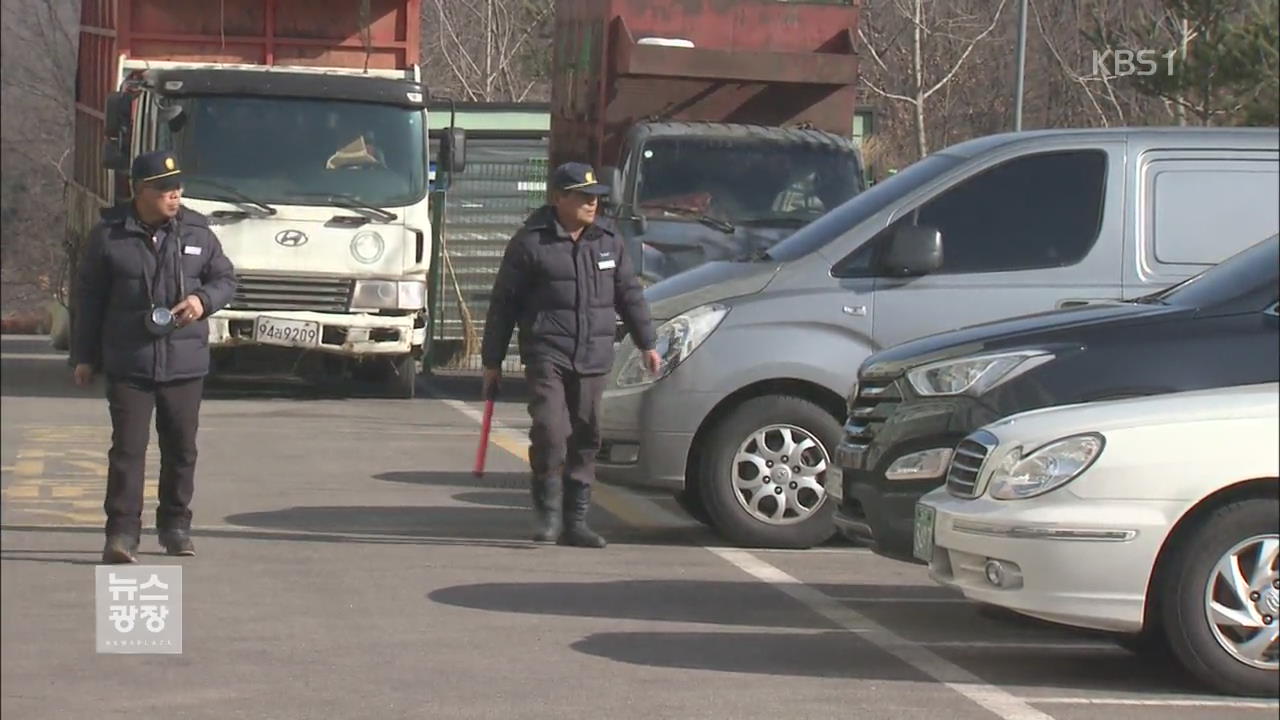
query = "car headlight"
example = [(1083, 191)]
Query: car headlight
[(974, 375), (368, 246), (1052, 466), (676, 340), (389, 295)]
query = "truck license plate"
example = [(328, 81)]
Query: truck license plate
[(923, 542), (287, 333)]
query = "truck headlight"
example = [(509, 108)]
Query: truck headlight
[(389, 295), (1052, 466), (368, 246), (676, 340), (974, 375)]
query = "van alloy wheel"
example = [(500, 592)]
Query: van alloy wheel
[(1242, 602), (778, 474)]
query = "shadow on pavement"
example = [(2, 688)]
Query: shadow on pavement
[(1016, 653), (515, 500), (490, 480), (842, 655), (265, 535)]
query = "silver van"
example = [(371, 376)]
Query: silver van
[(761, 353)]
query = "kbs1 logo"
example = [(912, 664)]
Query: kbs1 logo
[(1117, 63)]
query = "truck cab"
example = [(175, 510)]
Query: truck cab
[(309, 156), (719, 133)]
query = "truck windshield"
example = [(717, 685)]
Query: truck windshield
[(744, 181), (300, 151)]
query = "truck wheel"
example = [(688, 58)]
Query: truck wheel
[(763, 470), (401, 377), (1223, 597)]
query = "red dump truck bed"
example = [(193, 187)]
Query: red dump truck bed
[(761, 62), (311, 33)]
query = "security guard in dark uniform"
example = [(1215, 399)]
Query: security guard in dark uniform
[(564, 280), (152, 273)]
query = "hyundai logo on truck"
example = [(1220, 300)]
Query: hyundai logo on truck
[(291, 238)]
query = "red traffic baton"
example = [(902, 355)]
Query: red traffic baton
[(485, 427)]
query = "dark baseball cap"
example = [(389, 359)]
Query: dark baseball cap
[(158, 169), (578, 177)]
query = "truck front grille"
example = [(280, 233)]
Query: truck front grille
[(966, 464), (270, 292), (873, 402)]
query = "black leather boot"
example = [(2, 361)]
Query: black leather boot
[(577, 501), (177, 542), (120, 550), (549, 520)]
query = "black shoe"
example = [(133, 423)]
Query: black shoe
[(177, 542), (577, 500), (549, 520), (120, 550)]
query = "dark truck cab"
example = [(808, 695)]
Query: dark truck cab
[(915, 402), (721, 133)]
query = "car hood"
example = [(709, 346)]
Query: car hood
[(1027, 329), (708, 283), (1242, 402)]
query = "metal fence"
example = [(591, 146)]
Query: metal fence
[(503, 183)]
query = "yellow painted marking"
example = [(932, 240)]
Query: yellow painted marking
[(608, 498), (28, 468), (22, 491)]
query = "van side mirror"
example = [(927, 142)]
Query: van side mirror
[(913, 250), (453, 150)]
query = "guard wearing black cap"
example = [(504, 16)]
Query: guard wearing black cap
[(564, 280), (152, 273)]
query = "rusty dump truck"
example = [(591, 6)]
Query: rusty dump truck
[(722, 125), (302, 130)]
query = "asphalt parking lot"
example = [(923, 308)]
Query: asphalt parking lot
[(351, 567)]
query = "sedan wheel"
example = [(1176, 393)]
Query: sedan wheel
[(1220, 597)]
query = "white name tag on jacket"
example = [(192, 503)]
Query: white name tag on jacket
[(192, 249), (607, 264)]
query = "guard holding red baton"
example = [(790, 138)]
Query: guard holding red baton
[(564, 280)]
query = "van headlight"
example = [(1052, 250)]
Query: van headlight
[(676, 340), (389, 295), (975, 374), (1017, 477)]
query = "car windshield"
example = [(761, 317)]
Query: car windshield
[(300, 151), (862, 207), (1244, 273), (744, 180)]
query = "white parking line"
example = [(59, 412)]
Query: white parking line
[(994, 699), (921, 658), (896, 600), (1158, 702)]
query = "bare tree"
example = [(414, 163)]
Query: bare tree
[(490, 47), (942, 38), (37, 85)]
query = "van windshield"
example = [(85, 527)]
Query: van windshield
[(861, 207)]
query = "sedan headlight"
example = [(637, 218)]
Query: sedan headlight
[(1052, 466), (676, 340), (389, 295), (976, 374)]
